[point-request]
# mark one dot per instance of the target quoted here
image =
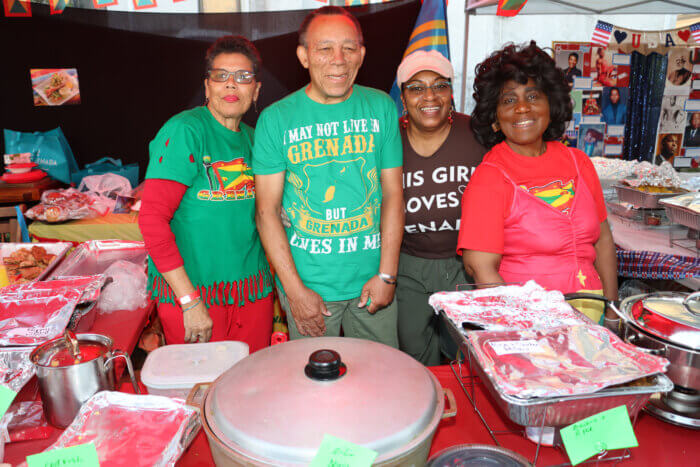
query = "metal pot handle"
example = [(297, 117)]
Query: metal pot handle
[(634, 340), (196, 395), (190, 431), (120, 353), (451, 410), (689, 298)]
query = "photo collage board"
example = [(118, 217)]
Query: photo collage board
[(678, 133), (599, 81)]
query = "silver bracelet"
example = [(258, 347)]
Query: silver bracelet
[(388, 278)]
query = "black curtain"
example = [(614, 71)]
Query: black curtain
[(647, 80), (136, 70)]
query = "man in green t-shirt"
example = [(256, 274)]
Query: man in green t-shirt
[(330, 155)]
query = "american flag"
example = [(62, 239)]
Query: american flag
[(601, 33), (695, 32)]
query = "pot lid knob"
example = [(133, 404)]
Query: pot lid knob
[(325, 365)]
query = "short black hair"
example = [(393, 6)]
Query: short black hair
[(327, 11), (614, 88), (574, 54), (519, 63), (233, 45)]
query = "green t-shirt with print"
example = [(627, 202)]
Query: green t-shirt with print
[(333, 155), (214, 225)]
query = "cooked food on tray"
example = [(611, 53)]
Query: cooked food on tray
[(26, 264), (63, 205), (508, 307), (58, 88), (560, 361), (688, 200)]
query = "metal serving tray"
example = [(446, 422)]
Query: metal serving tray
[(564, 410), (56, 248), (642, 199), (682, 215)]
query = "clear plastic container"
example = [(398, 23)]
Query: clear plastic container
[(173, 370)]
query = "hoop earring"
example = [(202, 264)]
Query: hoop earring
[(495, 127), (451, 117), (206, 101), (403, 121)]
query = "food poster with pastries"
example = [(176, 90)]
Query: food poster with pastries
[(599, 80), (55, 86)]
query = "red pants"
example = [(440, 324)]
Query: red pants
[(251, 323)]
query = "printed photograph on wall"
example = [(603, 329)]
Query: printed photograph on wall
[(691, 137), (678, 72), (574, 58), (672, 117), (591, 138), (591, 102), (55, 86), (668, 147), (604, 73), (614, 105)]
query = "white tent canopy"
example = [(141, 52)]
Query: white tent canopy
[(545, 21)]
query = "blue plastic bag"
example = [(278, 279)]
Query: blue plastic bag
[(109, 165), (50, 151)]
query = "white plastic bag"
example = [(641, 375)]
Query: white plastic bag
[(127, 291), (108, 185)]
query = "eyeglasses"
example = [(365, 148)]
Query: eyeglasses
[(239, 76), (416, 89)]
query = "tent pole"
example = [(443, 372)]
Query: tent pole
[(467, 14)]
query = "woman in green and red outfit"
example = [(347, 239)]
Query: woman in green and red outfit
[(534, 208), (207, 268)]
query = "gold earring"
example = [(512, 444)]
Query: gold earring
[(495, 127)]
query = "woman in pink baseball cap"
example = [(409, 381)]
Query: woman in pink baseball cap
[(440, 153)]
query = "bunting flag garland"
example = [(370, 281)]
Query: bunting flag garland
[(645, 42), (695, 32), (57, 6), (510, 7), (103, 3), (17, 8), (429, 33), (143, 4), (601, 33)]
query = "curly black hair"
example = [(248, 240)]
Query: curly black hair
[(519, 63), (230, 45)]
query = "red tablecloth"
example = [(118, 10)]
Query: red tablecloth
[(660, 444), (124, 327)]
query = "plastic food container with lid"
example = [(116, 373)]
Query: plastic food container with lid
[(173, 370)]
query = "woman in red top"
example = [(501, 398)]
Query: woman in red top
[(534, 208)]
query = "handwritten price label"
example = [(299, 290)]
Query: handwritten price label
[(509, 347), (335, 452), (604, 431), (82, 455)]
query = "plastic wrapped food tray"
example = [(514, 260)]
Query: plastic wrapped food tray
[(58, 248), (642, 199), (95, 256), (682, 215), (564, 410), (132, 430)]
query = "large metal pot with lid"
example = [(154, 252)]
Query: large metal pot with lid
[(668, 324), (274, 406)]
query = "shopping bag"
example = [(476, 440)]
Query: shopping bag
[(109, 165), (50, 151)]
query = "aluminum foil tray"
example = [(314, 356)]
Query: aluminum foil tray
[(57, 248), (682, 215), (641, 199), (95, 256), (565, 410), (134, 430)]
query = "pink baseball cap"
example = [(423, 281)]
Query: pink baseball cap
[(422, 60)]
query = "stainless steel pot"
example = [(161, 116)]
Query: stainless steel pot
[(64, 389), (665, 324), (274, 406)]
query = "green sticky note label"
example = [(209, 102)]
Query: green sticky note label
[(7, 395), (604, 431), (335, 452), (82, 455)]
